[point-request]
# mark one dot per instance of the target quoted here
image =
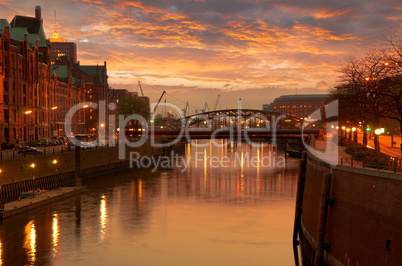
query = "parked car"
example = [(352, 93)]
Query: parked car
[(6, 145), (100, 143), (28, 150), (53, 143), (87, 145), (43, 142)]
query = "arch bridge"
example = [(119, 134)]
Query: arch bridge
[(246, 118)]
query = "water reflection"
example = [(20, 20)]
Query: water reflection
[(55, 233), (30, 242), (103, 217), (238, 215)]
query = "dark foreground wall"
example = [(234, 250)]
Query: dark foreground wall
[(363, 216)]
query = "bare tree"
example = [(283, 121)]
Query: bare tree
[(362, 87)]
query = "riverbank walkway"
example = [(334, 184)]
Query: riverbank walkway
[(23, 205), (332, 151)]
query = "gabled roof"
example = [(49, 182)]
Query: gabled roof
[(98, 72), (62, 71), (18, 33), (32, 38), (3, 23), (33, 26)]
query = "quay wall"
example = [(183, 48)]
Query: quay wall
[(19, 169), (363, 216)]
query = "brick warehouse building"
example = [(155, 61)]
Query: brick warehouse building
[(36, 95), (24, 79)]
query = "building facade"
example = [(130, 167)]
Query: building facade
[(300, 105), (24, 79), (36, 94)]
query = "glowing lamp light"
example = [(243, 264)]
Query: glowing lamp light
[(377, 131), (337, 127), (343, 128), (353, 129), (54, 161), (54, 107), (102, 125), (386, 63), (367, 79), (32, 165), (348, 129), (28, 112), (85, 106)]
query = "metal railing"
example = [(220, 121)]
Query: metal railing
[(13, 154), (389, 164)]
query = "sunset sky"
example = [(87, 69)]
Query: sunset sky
[(195, 50)]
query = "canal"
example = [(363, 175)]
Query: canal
[(230, 206)]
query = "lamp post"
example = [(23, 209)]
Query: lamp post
[(52, 121), (29, 132), (377, 133), (354, 130), (33, 179)]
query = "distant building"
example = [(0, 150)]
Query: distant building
[(123, 93), (300, 105), (60, 49), (146, 100), (63, 49), (267, 107), (95, 79)]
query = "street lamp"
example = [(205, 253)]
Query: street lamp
[(377, 133), (29, 131), (354, 130), (33, 179), (55, 163), (51, 122)]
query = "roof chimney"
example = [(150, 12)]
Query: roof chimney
[(38, 12)]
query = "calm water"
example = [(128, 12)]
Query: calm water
[(238, 214)]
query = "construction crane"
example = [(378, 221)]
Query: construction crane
[(205, 108), (186, 108), (142, 93), (156, 106), (216, 103)]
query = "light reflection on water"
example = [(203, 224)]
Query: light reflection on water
[(238, 215), (103, 217), (55, 234), (30, 242)]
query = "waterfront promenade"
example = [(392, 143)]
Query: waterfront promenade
[(23, 205)]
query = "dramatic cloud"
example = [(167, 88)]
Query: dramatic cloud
[(195, 50)]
